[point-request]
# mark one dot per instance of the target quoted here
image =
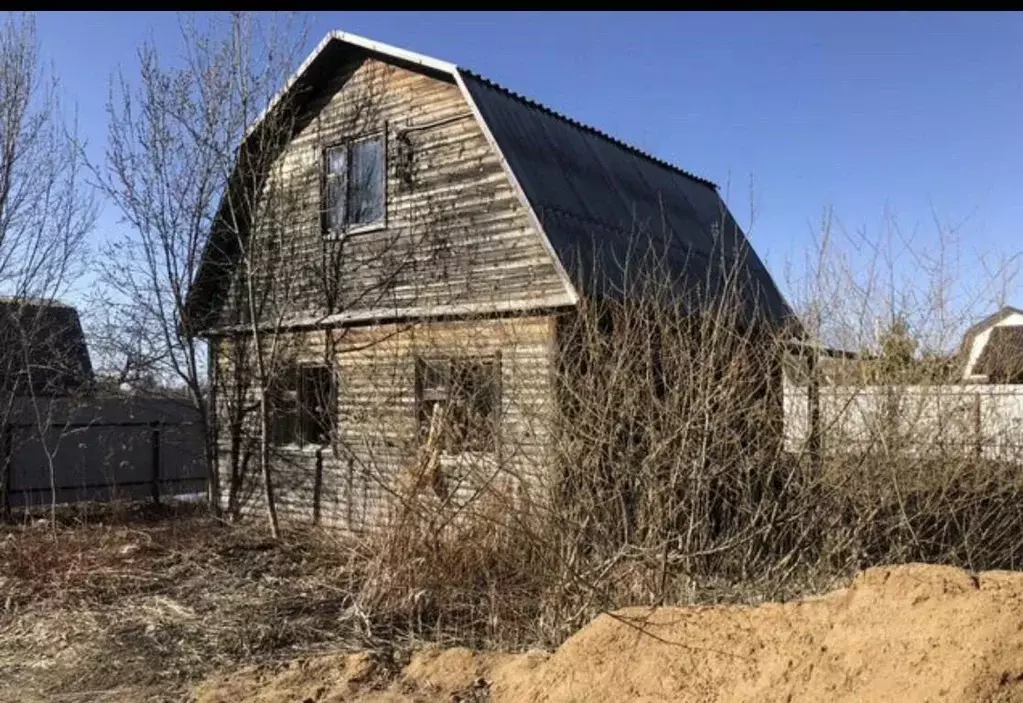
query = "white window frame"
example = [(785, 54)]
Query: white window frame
[(346, 229)]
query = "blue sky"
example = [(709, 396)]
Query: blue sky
[(913, 114)]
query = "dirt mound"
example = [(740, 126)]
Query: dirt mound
[(908, 633), (912, 633)]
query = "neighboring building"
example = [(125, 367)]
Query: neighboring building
[(66, 436), (42, 348), (993, 348), (460, 205)]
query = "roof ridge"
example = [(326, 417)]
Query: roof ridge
[(587, 128), (990, 319), (33, 302)]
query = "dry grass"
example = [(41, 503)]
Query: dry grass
[(156, 601), (666, 479)]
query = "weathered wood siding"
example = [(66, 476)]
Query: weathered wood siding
[(456, 234), (354, 486)]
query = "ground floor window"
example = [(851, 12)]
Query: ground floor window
[(303, 405), (458, 401)]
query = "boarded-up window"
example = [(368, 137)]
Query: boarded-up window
[(458, 401), (354, 185), (303, 405)]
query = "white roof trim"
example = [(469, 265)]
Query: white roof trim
[(395, 52), (354, 40), (287, 86), (451, 70)]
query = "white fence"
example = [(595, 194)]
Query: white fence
[(985, 420), (117, 448)]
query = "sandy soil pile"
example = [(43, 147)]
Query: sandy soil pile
[(909, 633)]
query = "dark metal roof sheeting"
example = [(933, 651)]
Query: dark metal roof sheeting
[(1002, 356), (50, 337), (589, 191), (592, 194)]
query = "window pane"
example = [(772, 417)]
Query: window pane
[(283, 406), (431, 391), (484, 390), (335, 205), (434, 376), (366, 194), (336, 160), (468, 394), (318, 404), (478, 390), (334, 188), (283, 423)]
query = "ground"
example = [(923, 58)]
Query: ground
[(148, 606), (907, 633), (141, 605)]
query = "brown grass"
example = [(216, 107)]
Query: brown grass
[(155, 601)]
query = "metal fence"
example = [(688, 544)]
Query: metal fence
[(118, 448)]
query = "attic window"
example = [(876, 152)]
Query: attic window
[(354, 185)]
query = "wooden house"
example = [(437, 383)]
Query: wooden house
[(431, 230)]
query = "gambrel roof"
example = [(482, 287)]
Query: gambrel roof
[(966, 347), (586, 193), (1001, 360), (42, 341), (993, 319)]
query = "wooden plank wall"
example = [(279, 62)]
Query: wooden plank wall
[(355, 487), (455, 234)]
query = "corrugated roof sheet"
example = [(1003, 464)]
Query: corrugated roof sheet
[(590, 191), (597, 198), (1002, 357), (585, 127)]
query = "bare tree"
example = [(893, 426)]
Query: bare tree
[(45, 214), (173, 172), (679, 467)]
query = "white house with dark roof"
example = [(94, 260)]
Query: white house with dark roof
[(991, 347)]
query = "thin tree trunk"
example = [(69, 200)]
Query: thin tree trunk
[(234, 485), (264, 466), (264, 411)]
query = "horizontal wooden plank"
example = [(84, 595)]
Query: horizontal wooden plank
[(377, 420), (458, 236)]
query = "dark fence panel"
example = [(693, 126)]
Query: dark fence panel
[(121, 448)]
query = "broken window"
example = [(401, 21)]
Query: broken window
[(354, 185), (458, 402), (303, 404)]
